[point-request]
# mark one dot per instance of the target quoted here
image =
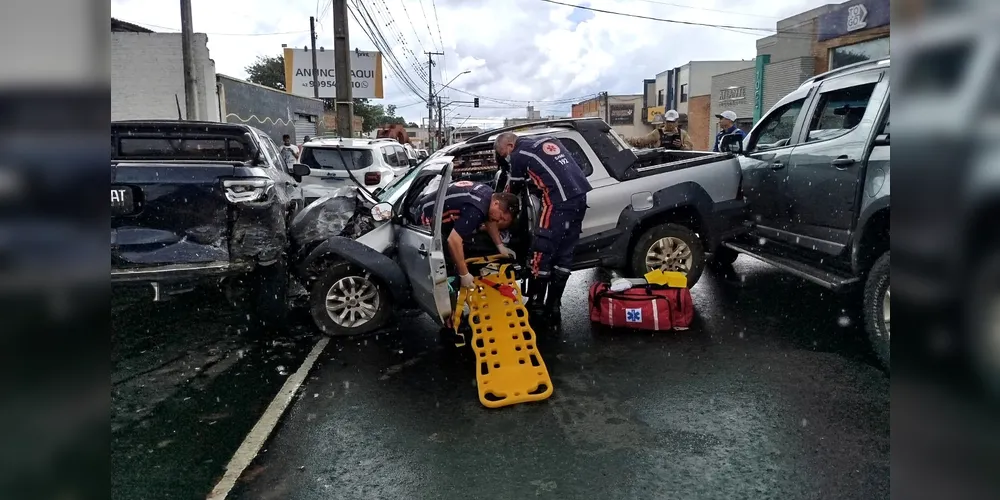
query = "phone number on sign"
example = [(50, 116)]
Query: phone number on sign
[(331, 84)]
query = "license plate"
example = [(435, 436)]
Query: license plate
[(122, 201)]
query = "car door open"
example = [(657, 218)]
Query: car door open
[(420, 246)]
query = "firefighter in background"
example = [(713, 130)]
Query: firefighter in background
[(669, 134), (546, 163)]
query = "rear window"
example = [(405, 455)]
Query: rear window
[(193, 148), (337, 158)]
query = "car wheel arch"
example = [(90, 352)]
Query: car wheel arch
[(381, 266)]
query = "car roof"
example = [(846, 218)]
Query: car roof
[(352, 142), (850, 69)]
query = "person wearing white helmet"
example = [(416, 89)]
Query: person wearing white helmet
[(669, 135), (727, 126)]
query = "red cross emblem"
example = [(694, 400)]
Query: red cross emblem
[(550, 148)]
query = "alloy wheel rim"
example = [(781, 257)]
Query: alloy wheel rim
[(669, 254), (352, 301)]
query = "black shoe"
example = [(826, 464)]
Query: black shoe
[(553, 301), (536, 295)]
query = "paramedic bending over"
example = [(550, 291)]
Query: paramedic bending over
[(546, 163)]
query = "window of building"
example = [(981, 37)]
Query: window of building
[(684, 93), (839, 111), (859, 52), (659, 98)]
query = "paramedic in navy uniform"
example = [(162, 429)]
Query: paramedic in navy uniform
[(468, 206), (546, 163)]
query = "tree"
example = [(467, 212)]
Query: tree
[(270, 72)]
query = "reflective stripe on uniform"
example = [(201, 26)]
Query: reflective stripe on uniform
[(562, 192)]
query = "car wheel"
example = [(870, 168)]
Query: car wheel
[(876, 304), (984, 315), (669, 247), (347, 300)]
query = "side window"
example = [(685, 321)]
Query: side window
[(268, 150), (884, 129), (839, 111), (401, 159), (776, 130), (419, 204), (389, 156), (578, 155)]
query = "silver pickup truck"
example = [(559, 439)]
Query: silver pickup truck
[(649, 209), (655, 210)]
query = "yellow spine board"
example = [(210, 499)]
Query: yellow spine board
[(509, 370)]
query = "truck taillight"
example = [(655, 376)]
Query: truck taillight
[(373, 178), (247, 190)]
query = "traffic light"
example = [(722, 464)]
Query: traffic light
[(475, 102)]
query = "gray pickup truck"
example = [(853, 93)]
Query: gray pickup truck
[(816, 175), (658, 210)]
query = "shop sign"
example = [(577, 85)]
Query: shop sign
[(622, 114), (732, 94), (854, 16)]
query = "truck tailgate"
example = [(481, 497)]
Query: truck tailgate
[(163, 213)]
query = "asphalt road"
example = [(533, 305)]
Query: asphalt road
[(773, 393)]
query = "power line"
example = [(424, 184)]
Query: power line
[(437, 22), (391, 25), (787, 34), (520, 102), (390, 58), (706, 9), (428, 23)]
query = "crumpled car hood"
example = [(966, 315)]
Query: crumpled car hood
[(342, 213)]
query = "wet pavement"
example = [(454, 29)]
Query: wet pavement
[(773, 393)]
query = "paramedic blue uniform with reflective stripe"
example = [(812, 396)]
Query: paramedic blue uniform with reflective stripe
[(466, 207), (546, 163)]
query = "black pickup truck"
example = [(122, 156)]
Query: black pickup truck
[(202, 202), (816, 178)]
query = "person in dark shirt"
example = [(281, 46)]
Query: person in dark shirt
[(727, 126), (467, 207), (545, 162)]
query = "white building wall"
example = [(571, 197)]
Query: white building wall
[(701, 73), (147, 72)]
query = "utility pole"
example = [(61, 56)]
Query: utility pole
[(444, 133), (344, 102), (315, 73), (187, 51), (430, 95)]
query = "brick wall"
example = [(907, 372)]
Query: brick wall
[(821, 50), (147, 71), (700, 122)]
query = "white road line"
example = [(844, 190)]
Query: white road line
[(263, 428)]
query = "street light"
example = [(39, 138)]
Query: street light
[(466, 72)]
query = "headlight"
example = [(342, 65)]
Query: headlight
[(247, 190)]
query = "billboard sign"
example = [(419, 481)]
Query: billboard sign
[(366, 73), (622, 114)]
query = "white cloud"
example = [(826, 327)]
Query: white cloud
[(518, 50)]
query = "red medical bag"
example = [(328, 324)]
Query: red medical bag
[(647, 307)]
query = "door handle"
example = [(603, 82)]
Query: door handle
[(777, 165), (423, 251), (842, 162)]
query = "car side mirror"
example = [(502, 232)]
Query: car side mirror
[(882, 140), (382, 212), (732, 143), (414, 162), (300, 170)]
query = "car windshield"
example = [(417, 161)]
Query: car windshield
[(328, 158), (385, 195)]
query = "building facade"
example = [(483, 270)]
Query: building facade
[(147, 75), (273, 111), (688, 90), (462, 133), (622, 112), (805, 45)]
